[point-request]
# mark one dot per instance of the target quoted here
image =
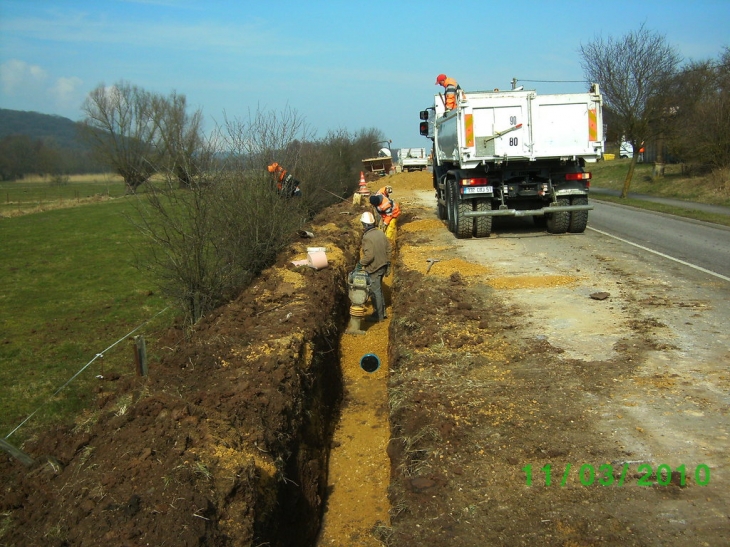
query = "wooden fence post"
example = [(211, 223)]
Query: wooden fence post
[(16, 453), (140, 355)]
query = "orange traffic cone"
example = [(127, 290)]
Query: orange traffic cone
[(363, 190)]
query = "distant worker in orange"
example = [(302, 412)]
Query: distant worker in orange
[(286, 185), (388, 210), (385, 191), (451, 88)]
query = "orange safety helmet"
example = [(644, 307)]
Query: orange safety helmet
[(440, 78), (272, 167)]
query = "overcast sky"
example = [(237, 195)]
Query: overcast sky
[(339, 64)]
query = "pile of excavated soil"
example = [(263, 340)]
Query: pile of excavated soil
[(224, 443)]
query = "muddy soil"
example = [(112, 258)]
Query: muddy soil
[(526, 412), (225, 443), (501, 368)]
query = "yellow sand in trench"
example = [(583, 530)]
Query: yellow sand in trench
[(359, 467)]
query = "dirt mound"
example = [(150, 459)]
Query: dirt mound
[(224, 442)]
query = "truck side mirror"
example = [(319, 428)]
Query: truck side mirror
[(424, 114), (423, 127)]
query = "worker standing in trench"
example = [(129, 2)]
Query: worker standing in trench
[(375, 260)]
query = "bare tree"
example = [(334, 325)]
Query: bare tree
[(180, 137), (227, 223), (121, 128), (701, 120), (267, 136), (633, 72)]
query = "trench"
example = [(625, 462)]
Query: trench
[(357, 507), (337, 466)]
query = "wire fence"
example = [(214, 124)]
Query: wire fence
[(82, 369)]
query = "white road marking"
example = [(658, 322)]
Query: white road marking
[(663, 255)]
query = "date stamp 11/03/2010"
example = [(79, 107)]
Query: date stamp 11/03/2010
[(608, 475)]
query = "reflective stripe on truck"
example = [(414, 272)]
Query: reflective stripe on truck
[(592, 125), (469, 130)]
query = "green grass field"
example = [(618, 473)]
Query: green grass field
[(69, 291), (40, 193), (713, 188)]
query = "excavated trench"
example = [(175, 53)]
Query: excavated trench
[(333, 488), (260, 428), (359, 467), (348, 403)]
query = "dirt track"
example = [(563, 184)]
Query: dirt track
[(516, 365), (499, 359)]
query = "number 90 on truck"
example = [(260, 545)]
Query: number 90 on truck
[(514, 153)]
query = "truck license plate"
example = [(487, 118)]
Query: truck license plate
[(478, 190)]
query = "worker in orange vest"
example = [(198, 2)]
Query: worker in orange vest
[(286, 185), (451, 88), (388, 210), (386, 191)]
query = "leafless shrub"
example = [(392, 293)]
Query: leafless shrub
[(216, 221), (700, 128)]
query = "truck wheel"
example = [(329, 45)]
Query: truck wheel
[(483, 225), (441, 212), (557, 223), (452, 200), (463, 225), (578, 219)]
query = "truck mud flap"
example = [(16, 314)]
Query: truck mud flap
[(527, 213)]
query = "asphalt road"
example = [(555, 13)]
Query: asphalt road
[(698, 243)]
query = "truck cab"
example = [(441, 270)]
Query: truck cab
[(626, 150)]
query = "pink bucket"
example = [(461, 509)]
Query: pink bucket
[(317, 259)]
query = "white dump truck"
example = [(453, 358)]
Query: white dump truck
[(412, 159), (514, 153)]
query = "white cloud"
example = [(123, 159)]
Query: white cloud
[(253, 36), (65, 92), (30, 87), (18, 76)]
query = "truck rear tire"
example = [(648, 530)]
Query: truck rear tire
[(441, 212), (463, 225), (483, 225), (578, 219), (557, 223), (452, 200)]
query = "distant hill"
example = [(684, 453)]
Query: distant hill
[(54, 131)]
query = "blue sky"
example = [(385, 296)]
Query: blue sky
[(340, 65)]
